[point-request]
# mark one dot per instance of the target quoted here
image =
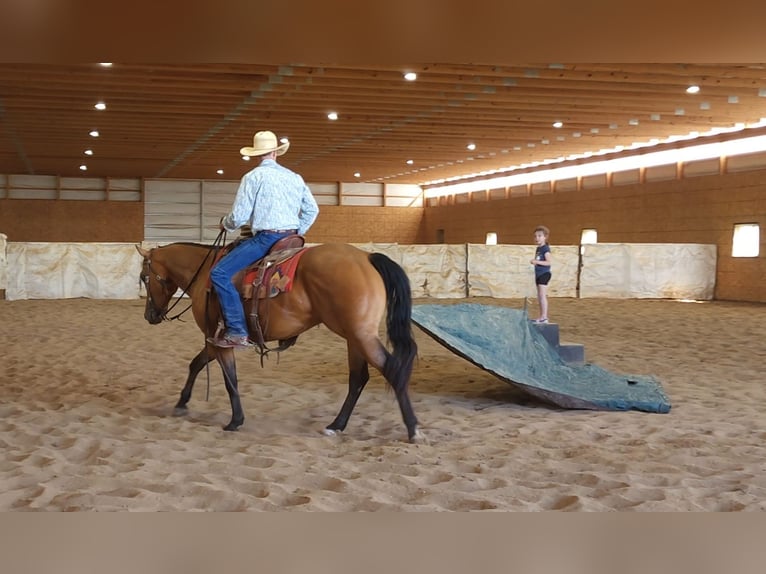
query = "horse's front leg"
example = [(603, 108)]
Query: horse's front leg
[(196, 365), (229, 367)]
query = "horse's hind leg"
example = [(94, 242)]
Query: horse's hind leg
[(196, 365), (399, 377), (358, 375)]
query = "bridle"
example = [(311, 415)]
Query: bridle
[(164, 282), (144, 277), (220, 240)]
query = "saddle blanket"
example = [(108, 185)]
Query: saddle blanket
[(277, 278)]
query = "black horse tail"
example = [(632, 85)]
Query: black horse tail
[(398, 367)]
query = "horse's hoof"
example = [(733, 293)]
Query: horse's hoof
[(232, 426), (330, 432), (180, 411), (418, 437)]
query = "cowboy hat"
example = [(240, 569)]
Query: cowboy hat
[(263, 143)]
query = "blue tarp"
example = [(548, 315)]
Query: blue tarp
[(504, 342)]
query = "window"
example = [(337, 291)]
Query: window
[(588, 236), (746, 240), (491, 238)]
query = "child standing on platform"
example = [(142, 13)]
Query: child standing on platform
[(542, 263)]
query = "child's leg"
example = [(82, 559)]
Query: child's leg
[(542, 299)]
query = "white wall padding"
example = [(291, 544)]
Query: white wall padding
[(69, 270), (3, 262), (504, 271), (648, 271), (392, 250), (624, 271), (435, 270)]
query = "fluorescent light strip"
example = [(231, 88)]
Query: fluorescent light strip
[(691, 153)]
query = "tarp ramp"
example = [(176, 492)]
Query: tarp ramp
[(504, 342)]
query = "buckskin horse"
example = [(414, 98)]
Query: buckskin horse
[(337, 284)]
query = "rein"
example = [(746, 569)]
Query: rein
[(221, 238), (185, 290), (164, 283)]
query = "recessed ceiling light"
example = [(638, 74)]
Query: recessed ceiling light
[(88, 152), (105, 64), (692, 89), (357, 174), (558, 124), (284, 140), (94, 133), (219, 172), (100, 106), (410, 162), (471, 146), (246, 157), (84, 167), (410, 76), (332, 116)]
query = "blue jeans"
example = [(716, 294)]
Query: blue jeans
[(221, 276)]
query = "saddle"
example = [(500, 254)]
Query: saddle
[(273, 274), (268, 277)]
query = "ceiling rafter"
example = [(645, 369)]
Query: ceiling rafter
[(189, 120)]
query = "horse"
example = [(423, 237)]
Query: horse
[(336, 284)]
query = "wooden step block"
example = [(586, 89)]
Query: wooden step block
[(572, 353), (550, 331)]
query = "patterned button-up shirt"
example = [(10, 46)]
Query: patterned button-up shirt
[(272, 197)]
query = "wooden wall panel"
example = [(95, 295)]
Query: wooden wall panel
[(72, 221)]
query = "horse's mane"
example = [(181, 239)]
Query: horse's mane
[(192, 244)]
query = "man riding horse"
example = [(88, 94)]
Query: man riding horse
[(275, 202)]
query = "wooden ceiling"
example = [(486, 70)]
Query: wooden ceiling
[(188, 121)]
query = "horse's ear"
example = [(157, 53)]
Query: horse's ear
[(144, 253)]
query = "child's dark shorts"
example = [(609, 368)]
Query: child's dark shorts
[(542, 279)]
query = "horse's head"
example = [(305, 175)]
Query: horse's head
[(160, 288)]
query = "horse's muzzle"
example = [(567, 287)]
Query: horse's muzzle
[(153, 317)]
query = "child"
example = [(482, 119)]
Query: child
[(542, 263)]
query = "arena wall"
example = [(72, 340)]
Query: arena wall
[(701, 210)]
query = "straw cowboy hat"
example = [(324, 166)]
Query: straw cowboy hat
[(263, 143)]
